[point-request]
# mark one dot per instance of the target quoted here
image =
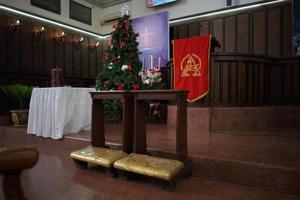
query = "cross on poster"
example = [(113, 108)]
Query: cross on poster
[(153, 39)]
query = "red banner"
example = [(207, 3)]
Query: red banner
[(191, 66)]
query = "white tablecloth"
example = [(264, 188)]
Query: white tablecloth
[(58, 110)]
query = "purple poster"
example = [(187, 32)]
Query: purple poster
[(153, 39)]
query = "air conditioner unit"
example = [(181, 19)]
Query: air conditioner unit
[(110, 18)]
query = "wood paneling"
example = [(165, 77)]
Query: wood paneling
[(259, 33), (274, 32), (264, 30), (247, 80), (22, 53)]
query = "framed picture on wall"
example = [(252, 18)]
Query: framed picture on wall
[(50, 5), (80, 13)]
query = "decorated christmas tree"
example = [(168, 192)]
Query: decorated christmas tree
[(121, 65)]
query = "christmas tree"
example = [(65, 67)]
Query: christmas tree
[(121, 64)]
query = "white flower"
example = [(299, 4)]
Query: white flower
[(124, 67), (147, 81), (110, 66)]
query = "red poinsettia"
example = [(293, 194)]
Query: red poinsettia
[(120, 86), (122, 44), (135, 86)]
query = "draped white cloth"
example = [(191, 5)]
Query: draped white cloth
[(58, 110)]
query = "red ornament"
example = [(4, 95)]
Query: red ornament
[(114, 59), (129, 66), (135, 86), (109, 41), (105, 57), (122, 44), (120, 86), (115, 26)]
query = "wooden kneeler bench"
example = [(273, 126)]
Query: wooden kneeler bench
[(97, 155), (160, 168)]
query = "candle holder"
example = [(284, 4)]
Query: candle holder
[(60, 38), (39, 34), (78, 42), (94, 47), (14, 27)]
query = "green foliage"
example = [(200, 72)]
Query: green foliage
[(121, 65), (18, 93)]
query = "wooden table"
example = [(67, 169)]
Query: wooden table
[(133, 103), (97, 130)]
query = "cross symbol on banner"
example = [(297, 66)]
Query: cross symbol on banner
[(146, 35)]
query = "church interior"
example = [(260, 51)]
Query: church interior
[(151, 99)]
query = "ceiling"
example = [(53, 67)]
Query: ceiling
[(105, 3)]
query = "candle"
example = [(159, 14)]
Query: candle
[(159, 62), (151, 61), (143, 66), (56, 77)]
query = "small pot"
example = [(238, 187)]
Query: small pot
[(19, 117)]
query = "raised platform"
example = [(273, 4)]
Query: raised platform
[(268, 162), (272, 120)]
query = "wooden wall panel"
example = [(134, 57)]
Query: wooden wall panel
[(84, 59), (49, 40), (69, 56), (76, 58), (242, 42), (193, 29), (38, 53), (26, 47), (287, 31), (218, 32), (230, 34), (3, 42), (259, 32), (92, 59), (204, 28), (274, 37), (59, 51), (264, 30), (12, 47)]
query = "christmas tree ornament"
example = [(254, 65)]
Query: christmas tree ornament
[(125, 10)]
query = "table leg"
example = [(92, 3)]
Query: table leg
[(127, 124), (97, 130), (181, 129), (140, 144)]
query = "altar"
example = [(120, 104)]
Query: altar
[(59, 110)]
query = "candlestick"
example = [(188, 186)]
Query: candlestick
[(143, 66), (159, 63), (151, 61)]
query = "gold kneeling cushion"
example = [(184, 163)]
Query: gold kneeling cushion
[(98, 155), (160, 168)]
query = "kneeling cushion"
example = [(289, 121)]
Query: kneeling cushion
[(151, 166), (98, 155)]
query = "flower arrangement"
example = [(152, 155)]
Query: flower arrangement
[(151, 77)]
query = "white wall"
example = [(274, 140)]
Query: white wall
[(64, 16), (179, 9), (137, 9)]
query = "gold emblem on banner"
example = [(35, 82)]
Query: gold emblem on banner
[(190, 63)]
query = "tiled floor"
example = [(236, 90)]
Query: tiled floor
[(55, 176)]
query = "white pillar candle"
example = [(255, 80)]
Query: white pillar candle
[(143, 64), (151, 61), (159, 62)]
